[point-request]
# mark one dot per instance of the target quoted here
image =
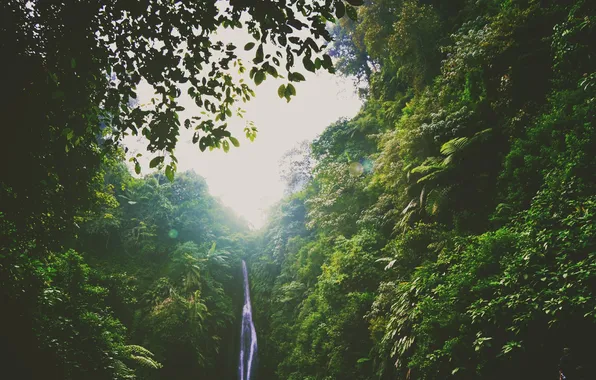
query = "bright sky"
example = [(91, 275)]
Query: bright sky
[(247, 179)]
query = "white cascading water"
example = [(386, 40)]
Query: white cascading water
[(248, 334)]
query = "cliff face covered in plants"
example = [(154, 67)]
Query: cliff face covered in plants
[(447, 231)]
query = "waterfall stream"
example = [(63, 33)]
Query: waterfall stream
[(248, 334)]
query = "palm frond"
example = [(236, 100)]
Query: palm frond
[(436, 199), (431, 176), (139, 355), (454, 145), (424, 169), (138, 350), (212, 249)]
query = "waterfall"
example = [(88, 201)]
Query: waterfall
[(248, 334)]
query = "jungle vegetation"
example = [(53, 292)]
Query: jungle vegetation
[(445, 232)]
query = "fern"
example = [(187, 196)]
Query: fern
[(146, 362), (138, 350), (457, 145), (431, 177), (454, 145), (141, 356), (123, 371), (424, 169), (436, 199)]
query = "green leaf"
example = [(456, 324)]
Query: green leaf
[(249, 46), (352, 14), (327, 62), (259, 55), (291, 89), (281, 91), (283, 41), (259, 77), (69, 133), (156, 161), (234, 141), (137, 168), (170, 171), (253, 71), (203, 143), (296, 77), (308, 64), (226, 146), (272, 71)]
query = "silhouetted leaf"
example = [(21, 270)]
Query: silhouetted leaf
[(308, 64), (259, 55), (156, 161), (340, 9), (296, 77), (352, 14), (355, 3)]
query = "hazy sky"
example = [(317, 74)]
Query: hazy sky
[(247, 178)]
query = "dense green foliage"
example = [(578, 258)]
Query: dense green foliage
[(80, 62), (180, 250), (448, 229), (105, 276), (156, 286)]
